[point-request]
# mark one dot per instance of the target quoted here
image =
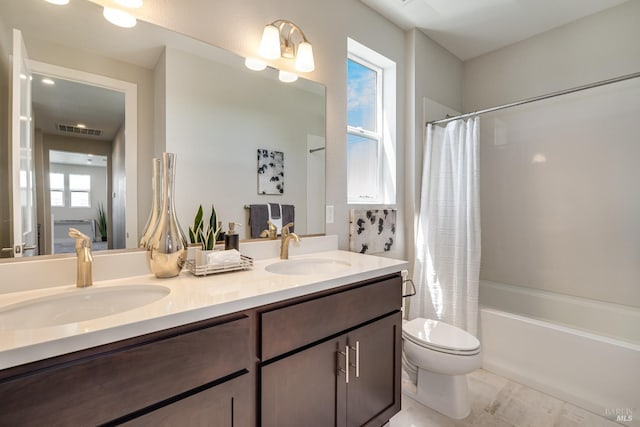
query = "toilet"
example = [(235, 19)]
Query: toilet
[(437, 358)]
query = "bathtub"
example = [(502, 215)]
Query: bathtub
[(582, 351)]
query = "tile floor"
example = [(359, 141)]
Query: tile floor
[(498, 402)]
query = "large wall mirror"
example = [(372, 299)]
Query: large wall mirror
[(106, 100)]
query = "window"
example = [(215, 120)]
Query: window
[(56, 187), (364, 100), (77, 194), (79, 187), (370, 126)]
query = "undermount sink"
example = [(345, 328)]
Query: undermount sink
[(78, 305), (308, 266)]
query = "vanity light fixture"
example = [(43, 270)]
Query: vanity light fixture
[(255, 64), (119, 17), (285, 39), (287, 76), (48, 82), (58, 2)]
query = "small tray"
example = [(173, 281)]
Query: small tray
[(245, 263)]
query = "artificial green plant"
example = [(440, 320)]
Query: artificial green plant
[(206, 235), (102, 222)]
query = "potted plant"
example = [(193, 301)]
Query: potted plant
[(102, 222), (204, 236)]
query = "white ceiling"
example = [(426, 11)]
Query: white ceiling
[(70, 103), (469, 28)]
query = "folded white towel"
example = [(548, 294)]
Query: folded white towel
[(221, 258)]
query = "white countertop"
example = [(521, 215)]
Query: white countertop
[(191, 299)]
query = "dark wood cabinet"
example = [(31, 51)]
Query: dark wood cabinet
[(224, 405), (300, 390), (285, 364), (373, 391), (119, 381), (309, 386)]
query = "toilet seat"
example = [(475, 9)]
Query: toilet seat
[(441, 337)]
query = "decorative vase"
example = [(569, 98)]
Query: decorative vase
[(167, 245), (156, 188)]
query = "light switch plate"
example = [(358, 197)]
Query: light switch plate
[(329, 214)]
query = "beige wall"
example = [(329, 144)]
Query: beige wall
[(559, 199), (237, 26), (434, 73), (594, 48), (215, 131)]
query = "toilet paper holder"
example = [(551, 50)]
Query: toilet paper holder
[(405, 280)]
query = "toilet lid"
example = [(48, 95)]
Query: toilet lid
[(439, 335)]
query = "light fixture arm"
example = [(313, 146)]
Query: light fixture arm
[(288, 46), (284, 39)]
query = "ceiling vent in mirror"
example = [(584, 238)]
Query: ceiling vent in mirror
[(78, 130)]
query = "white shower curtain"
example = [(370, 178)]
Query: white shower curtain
[(447, 264)]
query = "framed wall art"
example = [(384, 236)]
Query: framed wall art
[(270, 171)]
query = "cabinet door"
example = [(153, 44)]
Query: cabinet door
[(225, 405), (300, 390), (373, 393)]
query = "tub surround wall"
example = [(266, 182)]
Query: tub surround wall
[(558, 209), (594, 48), (557, 193)]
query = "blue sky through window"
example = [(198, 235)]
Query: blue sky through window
[(361, 96)]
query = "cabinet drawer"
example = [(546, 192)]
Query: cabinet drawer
[(285, 329), (100, 388)]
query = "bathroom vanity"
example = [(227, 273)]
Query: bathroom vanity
[(315, 350)]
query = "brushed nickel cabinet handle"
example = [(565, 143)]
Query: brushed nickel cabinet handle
[(357, 364), (345, 353)]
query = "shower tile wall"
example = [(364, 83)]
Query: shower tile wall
[(560, 195)]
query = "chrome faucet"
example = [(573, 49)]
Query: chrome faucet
[(84, 257), (285, 238), (271, 232)]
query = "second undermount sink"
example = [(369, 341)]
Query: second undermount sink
[(308, 266), (78, 305)]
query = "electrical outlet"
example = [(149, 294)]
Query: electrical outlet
[(329, 214)]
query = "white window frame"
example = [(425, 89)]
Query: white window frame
[(60, 189), (375, 135), (386, 122), (72, 190)]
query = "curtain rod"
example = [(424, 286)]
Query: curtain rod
[(537, 98)]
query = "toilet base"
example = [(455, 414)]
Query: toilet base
[(447, 394)]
